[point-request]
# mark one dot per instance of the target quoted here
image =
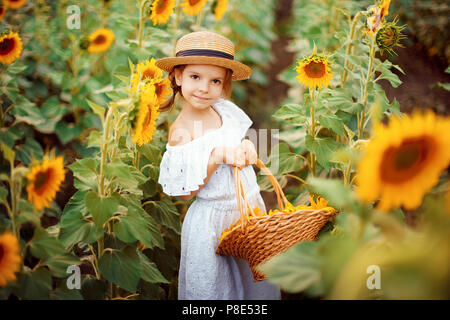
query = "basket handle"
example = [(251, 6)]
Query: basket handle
[(240, 192)]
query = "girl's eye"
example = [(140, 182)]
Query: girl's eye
[(194, 76), (215, 81)]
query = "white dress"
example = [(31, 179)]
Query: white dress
[(205, 275)]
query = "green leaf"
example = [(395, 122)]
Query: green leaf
[(323, 148), (93, 289), (101, 208), (332, 122), (333, 190), (167, 215), (126, 176), (85, 170), (131, 228), (122, 268), (3, 194), (64, 293), (17, 67), (387, 74), (31, 149), (97, 109), (133, 203), (43, 245), (445, 86), (150, 272), (283, 161), (296, 269), (293, 112), (8, 153), (33, 285)]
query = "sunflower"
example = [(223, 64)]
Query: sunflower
[(404, 160), (375, 18), (2, 11), (146, 70), (44, 180), (10, 47), (100, 40), (219, 8), (162, 90), (389, 36), (314, 71), (384, 8), (148, 113), (9, 258), (193, 7), (14, 4), (161, 11)]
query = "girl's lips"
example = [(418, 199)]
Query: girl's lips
[(201, 98)]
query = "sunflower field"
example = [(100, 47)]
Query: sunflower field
[(82, 215)]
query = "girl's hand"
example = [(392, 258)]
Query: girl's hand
[(249, 150), (231, 156)]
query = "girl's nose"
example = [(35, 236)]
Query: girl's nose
[(204, 87)]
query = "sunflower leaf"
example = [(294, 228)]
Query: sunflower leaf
[(101, 208), (122, 268), (150, 272), (323, 148), (297, 269)]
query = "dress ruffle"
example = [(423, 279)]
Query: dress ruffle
[(183, 168)]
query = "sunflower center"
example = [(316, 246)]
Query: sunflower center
[(41, 180), (148, 73), (2, 9), (100, 39), (161, 6), (315, 69), (148, 117), (158, 89), (193, 2), (401, 163), (6, 46)]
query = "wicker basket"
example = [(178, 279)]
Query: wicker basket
[(259, 238)]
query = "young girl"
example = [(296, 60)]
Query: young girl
[(205, 142)]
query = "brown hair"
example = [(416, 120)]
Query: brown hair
[(167, 106)]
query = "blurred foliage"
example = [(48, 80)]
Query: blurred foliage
[(428, 22)]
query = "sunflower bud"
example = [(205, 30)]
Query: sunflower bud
[(389, 36)]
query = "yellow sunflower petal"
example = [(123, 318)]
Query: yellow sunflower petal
[(44, 181), (14, 4), (161, 11), (2, 11), (9, 258), (10, 47), (314, 71), (145, 71), (148, 113), (220, 8), (100, 40), (404, 160), (193, 7)]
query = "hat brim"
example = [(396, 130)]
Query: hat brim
[(240, 70)]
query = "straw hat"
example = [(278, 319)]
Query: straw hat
[(206, 47)]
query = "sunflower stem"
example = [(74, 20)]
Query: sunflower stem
[(141, 22), (176, 25), (361, 122), (350, 45), (313, 131)]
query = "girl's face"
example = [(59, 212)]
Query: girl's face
[(201, 84)]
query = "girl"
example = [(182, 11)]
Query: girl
[(204, 142)]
